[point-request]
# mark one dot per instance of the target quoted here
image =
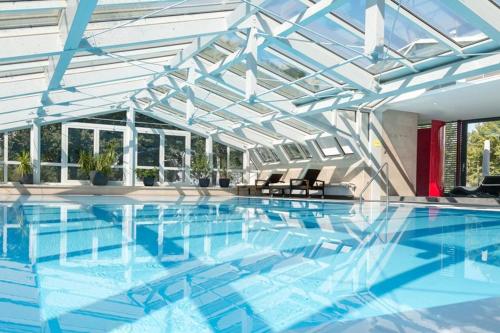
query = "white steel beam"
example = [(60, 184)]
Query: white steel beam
[(251, 62), (374, 29), (73, 23)]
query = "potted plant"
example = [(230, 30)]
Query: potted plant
[(200, 169), (24, 169), (224, 178), (148, 176), (98, 167)]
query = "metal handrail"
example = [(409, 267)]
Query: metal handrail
[(385, 165)]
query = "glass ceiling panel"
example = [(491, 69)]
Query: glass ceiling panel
[(265, 132), (401, 34), (130, 11), (268, 82), (290, 72), (437, 14), (344, 43), (38, 18), (300, 125), (223, 92), (285, 9)]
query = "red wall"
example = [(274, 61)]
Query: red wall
[(423, 157), (430, 152)]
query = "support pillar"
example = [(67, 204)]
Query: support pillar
[(35, 151), (246, 167), (130, 149), (393, 139)]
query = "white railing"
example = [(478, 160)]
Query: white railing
[(386, 166)]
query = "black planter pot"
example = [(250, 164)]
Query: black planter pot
[(204, 182), (148, 181), (98, 178), (224, 182), (26, 179)]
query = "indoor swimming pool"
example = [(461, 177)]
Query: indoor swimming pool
[(89, 264)]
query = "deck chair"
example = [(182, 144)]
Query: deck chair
[(284, 183), (307, 182), (263, 184), (489, 187)]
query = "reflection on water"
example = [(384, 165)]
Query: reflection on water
[(246, 265)]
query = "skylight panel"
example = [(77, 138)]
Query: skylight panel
[(265, 132), (300, 125), (285, 9), (438, 15), (223, 92), (266, 155), (401, 34), (287, 70), (269, 82)]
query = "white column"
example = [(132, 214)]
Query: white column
[(209, 152), (190, 95), (130, 149), (187, 159), (246, 167), (35, 151)]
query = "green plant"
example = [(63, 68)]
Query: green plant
[(200, 167), (86, 161), (102, 162), (224, 173), (143, 173), (24, 168)]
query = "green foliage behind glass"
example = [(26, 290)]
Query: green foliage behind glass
[(475, 143)]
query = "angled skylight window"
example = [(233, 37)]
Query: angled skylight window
[(296, 151), (328, 146), (442, 18), (300, 125), (266, 155), (285, 9), (291, 72)]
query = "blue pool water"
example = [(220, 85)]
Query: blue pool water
[(247, 265)]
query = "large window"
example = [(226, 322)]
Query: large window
[(12, 144), (480, 135), (79, 140), (50, 150), (175, 158)]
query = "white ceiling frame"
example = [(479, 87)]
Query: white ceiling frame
[(440, 75), (360, 34), (34, 43), (72, 25)]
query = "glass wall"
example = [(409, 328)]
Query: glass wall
[(175, 158), (165, 148), (479, 135), (50, 150)]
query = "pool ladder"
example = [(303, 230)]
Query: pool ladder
[(386, 166)]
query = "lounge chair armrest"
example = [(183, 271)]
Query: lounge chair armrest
[(299, 182), (257, 181), (319, 183)]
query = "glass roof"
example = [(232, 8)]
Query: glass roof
[(293, 67)]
